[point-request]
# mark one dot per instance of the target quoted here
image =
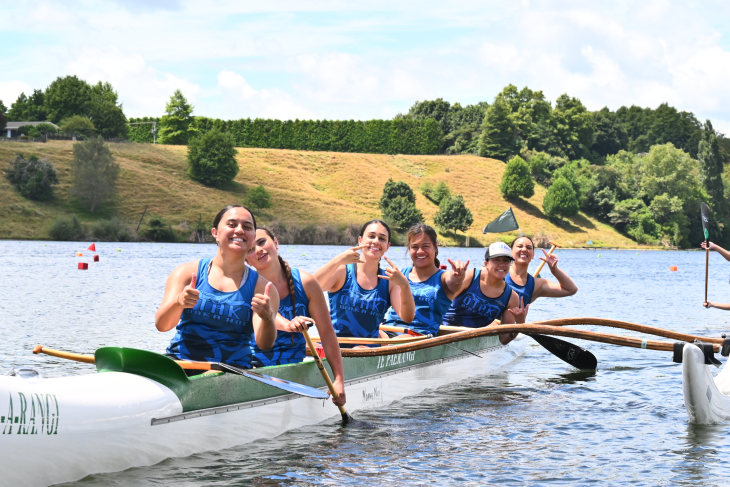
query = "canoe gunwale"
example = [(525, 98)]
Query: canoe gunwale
[(288, 397)]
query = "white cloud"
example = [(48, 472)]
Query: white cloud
[(10, 90), (243, 101)]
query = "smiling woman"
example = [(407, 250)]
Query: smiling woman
[(218, 304), (485, 296), (360, 291)]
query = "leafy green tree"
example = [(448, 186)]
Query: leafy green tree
[(663, 207), (440, 191), (427, 190), (28, 131), (402, 213), (158, 230), (453, 215), (539, 170), (29, 108), (105, 112), (78, 124), (3, 108), (258, 198), (212, 158), (610, 135), (94, 172), (711, 169), (67, 96), (437, 109), (497, 139), (516, 180), (530, 115), (573, 126), (560, 200), (3, 120), (669, 170), (398, 204), (175, 125), (34, 178), (625, 212)]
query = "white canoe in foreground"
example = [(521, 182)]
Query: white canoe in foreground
[(706, 398), (63, 429)]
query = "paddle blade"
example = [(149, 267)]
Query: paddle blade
[(705, 220), (285, 385), (574, 355)]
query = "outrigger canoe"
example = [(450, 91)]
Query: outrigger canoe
[(706, 398), (141, 408)]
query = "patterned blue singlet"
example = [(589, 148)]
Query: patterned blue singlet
[(431, 304), (524, 292), (219, 327), (289, 348), (358, 312), (473, 309)]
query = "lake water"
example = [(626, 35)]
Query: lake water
[(537, 422)]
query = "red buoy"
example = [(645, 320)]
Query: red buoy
[(92, 247), (96, 258), (83, 266)]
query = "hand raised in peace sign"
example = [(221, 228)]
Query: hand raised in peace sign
[(394, 275)]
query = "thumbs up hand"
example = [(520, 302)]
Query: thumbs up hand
[(189, 296), (261, 304)]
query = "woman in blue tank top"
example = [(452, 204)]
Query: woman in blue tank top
[(432, 288), (218, 304), (530, 288), (485, 296), (303, 301), (360, 292)]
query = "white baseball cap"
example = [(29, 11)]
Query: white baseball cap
[(498, 249)]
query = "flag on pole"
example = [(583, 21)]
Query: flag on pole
[(506, 222)]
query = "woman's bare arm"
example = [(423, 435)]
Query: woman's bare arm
[(179, 295)]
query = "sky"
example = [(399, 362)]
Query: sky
[(361, 60)]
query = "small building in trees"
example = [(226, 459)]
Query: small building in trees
[(11, 128)]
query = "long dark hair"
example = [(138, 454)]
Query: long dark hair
[(417, 230), (287, 273), (219, 216), (364, 227)]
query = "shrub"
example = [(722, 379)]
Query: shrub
[(67, 228), (516, 180), (453, 215), (398, 204), (33, 177), (440, 191), (212, 157), (94, 172), (159, 230), (427, 190), (78, 124), (113, 230), (560, 200), (258, 198), (29, 131)]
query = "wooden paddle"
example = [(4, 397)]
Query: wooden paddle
[(346, 418), (376, 341), (705, 212), (567, 352), (282, 384)]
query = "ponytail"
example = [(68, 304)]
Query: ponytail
[(290, 284)]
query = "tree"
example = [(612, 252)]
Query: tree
[(258, 198), (610, 136), (33, 177), (440, 191), (94, 172), (78, 124), (497, 139), (29, 109), (3, 108), (437, 109), (175, 124), (3, 120), (453, 215), (560, 200), (669, 170), (67, 96), (398, 204), (516, 180), (573, 126), (711, 168), (105, 112), (212, 157)]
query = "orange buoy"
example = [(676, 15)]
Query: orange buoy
[(673, 268), (79, 254)]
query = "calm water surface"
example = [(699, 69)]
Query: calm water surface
[(537, 422)]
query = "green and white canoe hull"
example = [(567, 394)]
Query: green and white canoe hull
[(63, 429)]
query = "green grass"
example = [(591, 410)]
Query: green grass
[(307, 188)]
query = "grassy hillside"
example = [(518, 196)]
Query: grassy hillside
[(306, 187)]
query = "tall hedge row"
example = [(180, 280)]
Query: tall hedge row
[(399, 136)]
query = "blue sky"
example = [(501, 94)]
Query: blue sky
[(361, 60)]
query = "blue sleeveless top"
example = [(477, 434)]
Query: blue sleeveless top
[(357, 312), (289, 348), (524, 292), (431, 304), (219, 327), (475, 310)]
